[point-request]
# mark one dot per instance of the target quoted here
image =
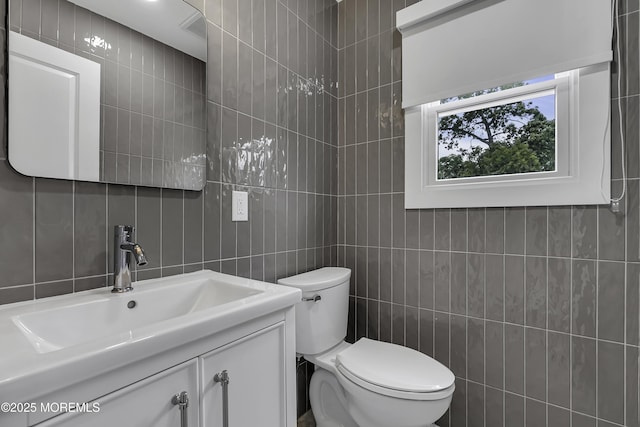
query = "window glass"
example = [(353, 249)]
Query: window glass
[(507, 138)]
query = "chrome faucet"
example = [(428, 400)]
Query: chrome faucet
[(124, 247)]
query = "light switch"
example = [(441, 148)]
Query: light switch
[(240, 206)]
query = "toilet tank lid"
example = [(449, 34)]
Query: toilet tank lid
[(394, 367), (323, 278)]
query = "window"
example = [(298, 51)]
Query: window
[(509, 138), (519, 120), (500, 133)]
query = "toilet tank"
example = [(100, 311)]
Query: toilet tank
[(321, 324)]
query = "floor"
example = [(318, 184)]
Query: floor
[(307, 420)]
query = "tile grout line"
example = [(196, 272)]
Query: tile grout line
[(33, 232), (571, 355), (484, 312), (511, 255), (504, 314), (624, 311), (521, 326), (597, 313), (73, 236), (525, 317), (184, 227), (106, 231), (419, 284), (546, 334), (433, 290), (466, 320), (449, 292), (135, 222), (202, 224)]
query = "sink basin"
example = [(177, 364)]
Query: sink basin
[(112, 314)]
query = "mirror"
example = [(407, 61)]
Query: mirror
[(110, 91)]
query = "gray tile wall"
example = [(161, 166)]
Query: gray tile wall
[(152, 95), (271, 116), (272, 131), (535, 309)]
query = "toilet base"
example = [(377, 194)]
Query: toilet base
[(330, 405), (308, 420), (328, 402)]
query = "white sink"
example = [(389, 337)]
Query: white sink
[(112, 314), (52, 343)]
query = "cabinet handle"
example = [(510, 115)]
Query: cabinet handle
[(182, 400), (223, 379)]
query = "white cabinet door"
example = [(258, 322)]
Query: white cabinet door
[(147, 403), (256, 390)]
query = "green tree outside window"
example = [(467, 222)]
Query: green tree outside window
[(505, 139)]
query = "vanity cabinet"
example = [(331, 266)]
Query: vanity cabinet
[(258, 361), (146, 403), (255, 371)]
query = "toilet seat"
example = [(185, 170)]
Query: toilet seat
[(394, 371)]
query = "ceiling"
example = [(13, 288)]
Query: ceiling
[(173, 22)]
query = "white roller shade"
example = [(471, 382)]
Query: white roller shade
[(453, 47)]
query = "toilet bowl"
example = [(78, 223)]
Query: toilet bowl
[(368, 383)]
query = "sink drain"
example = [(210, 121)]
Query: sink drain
[(131, 304)]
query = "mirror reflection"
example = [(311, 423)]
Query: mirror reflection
[(110, 91)]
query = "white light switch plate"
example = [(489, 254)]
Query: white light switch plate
[(240, 206)]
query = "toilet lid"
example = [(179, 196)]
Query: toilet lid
[(394, 367), (316, 280)]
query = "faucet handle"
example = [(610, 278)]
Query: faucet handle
[(124, 230)]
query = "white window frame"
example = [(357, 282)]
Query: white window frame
[(582, 150)]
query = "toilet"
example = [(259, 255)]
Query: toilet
[(368, 383)]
